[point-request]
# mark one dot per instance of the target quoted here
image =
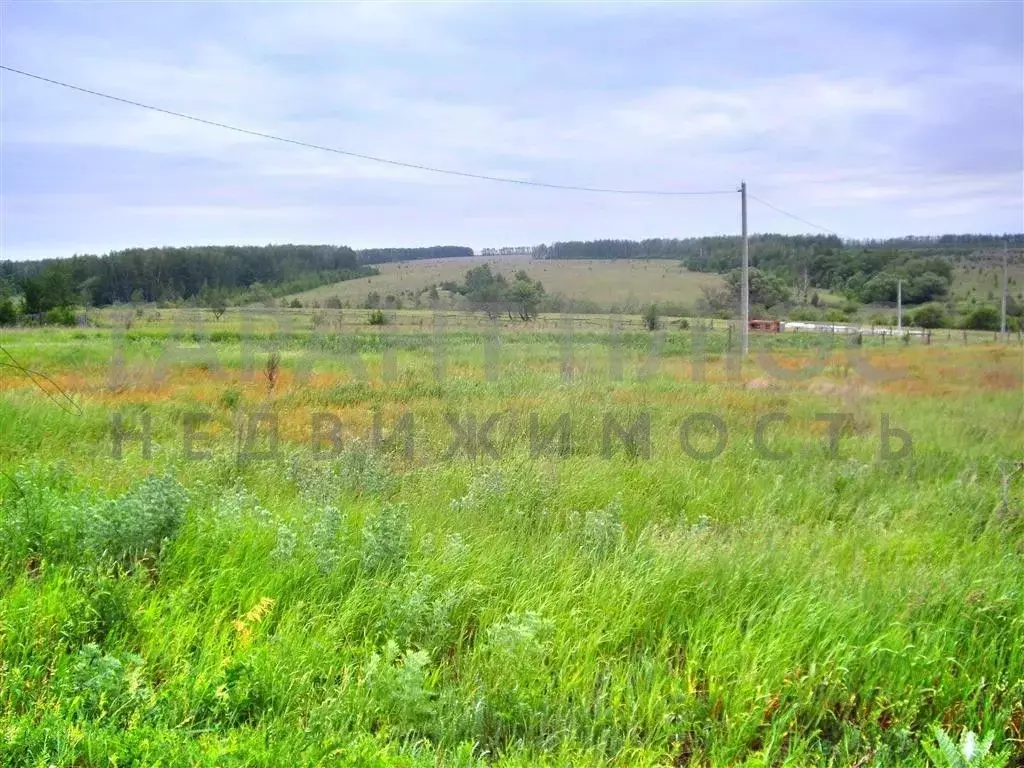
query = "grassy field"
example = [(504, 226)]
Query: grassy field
[(984, 282), (695, 575), (623, 283)]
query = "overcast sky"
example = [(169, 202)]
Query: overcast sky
[(871, 120)]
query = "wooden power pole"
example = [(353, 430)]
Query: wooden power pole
[(745, 279), (1006, 284)]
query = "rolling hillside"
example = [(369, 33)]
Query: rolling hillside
[(625, 284)]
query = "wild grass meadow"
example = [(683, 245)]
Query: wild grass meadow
[(317, 542)]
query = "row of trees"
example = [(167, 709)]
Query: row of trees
[(208, 273), (823, 262), (174, 274)]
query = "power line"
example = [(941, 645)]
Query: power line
[(792, 215), (35, 376), (359, 155)]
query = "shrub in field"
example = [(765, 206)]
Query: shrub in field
[(513, 653), (8, 312), (805, 315), (599, 530), (43, 522), (377, 317), (651, 317), (982, 319), (417, 612), (137, 523), (930, 316), (106, 686), (357, 469), (519, 637), (61, 316), (969, 753), (400, 688), (387, 536), (230, 398)]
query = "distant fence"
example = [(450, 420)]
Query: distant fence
[(876, 330)]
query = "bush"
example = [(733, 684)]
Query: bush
[(295, 304), (377, 317), (835, 316), (387, 537), (930, 316), (60, 316), (805, 315), (982, 319), (8, 312), (651, 318), (48, 522)]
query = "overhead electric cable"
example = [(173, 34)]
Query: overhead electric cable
[(373, 158)]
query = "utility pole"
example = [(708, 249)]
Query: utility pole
[(899, 305), (745, 287), (1002, 322)]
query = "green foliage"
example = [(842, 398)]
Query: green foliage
[(400, 688), (493, 293), (969, 753), (40, 523), (154, 274), (930, 316), (358, 608), (9, 313), (60, 316), (377, 317), (983, 318), (651, 317), (805, 315), (766, 289), (386, 540)]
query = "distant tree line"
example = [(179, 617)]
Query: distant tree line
[(867, 271), (175, 274)]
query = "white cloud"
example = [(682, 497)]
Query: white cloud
[(844, 143)]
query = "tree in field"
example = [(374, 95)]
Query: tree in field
[(486, 290), (651, 317), (8, 312), (525, 295), (51, 289), (218, 306), (930, 316), (766, 289)]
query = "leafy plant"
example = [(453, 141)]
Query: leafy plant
[(969, 753), (387, 537)]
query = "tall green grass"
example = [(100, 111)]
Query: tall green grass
[(584, 609)]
